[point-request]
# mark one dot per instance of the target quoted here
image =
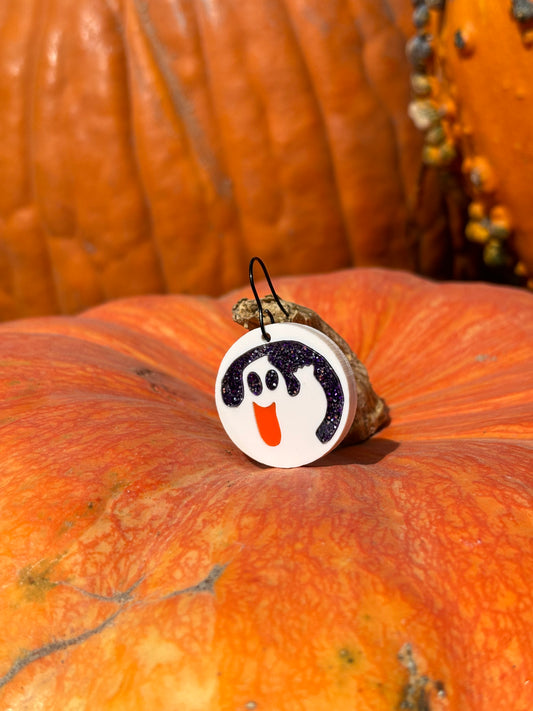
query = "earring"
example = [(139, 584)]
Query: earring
[(285, 393)]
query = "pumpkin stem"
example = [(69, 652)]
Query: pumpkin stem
[(372, 412)]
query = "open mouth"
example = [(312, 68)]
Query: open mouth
[(267, 424)]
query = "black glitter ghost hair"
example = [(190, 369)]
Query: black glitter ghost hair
[(288, 357)]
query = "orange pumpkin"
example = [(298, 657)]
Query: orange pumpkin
[(148, 564), (155, 147), (473, 99)]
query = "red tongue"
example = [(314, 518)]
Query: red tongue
[(267, 424)]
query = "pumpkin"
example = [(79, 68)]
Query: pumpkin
[(474, 101), (148, 564), (155, 147)]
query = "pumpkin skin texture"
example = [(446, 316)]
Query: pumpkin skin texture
[(480, 75), (157, 146), (147, 563)]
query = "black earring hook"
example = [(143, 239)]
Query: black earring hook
[(266, 335)]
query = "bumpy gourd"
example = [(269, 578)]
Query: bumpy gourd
[(472, 98)]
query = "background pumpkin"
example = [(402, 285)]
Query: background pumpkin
[(479, 65), (148, 564), (157, 146)]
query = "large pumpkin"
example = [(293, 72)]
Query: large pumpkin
[(152, 147), (473, 97), (148, 564)]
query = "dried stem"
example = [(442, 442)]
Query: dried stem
[(372, 411)]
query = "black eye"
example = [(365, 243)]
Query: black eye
[(254, 383), (271, 380)]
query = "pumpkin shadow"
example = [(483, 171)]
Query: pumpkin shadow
[(366, 453)]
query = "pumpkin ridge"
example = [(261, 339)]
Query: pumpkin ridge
[(182, 106), (129, 62), (24, 246), (227, 222), (370, 83), (237, 47), (50, 181), (306, 64), (391, 124), (177, 186), (391, 136)]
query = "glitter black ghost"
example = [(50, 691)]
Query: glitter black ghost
[(288, 357)]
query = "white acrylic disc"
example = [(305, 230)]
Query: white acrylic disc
[(288, 401)]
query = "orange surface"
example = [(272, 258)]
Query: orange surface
[(156, 146), (148, 564)]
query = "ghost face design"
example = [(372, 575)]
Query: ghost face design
[(277, 418), (288, 401)]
